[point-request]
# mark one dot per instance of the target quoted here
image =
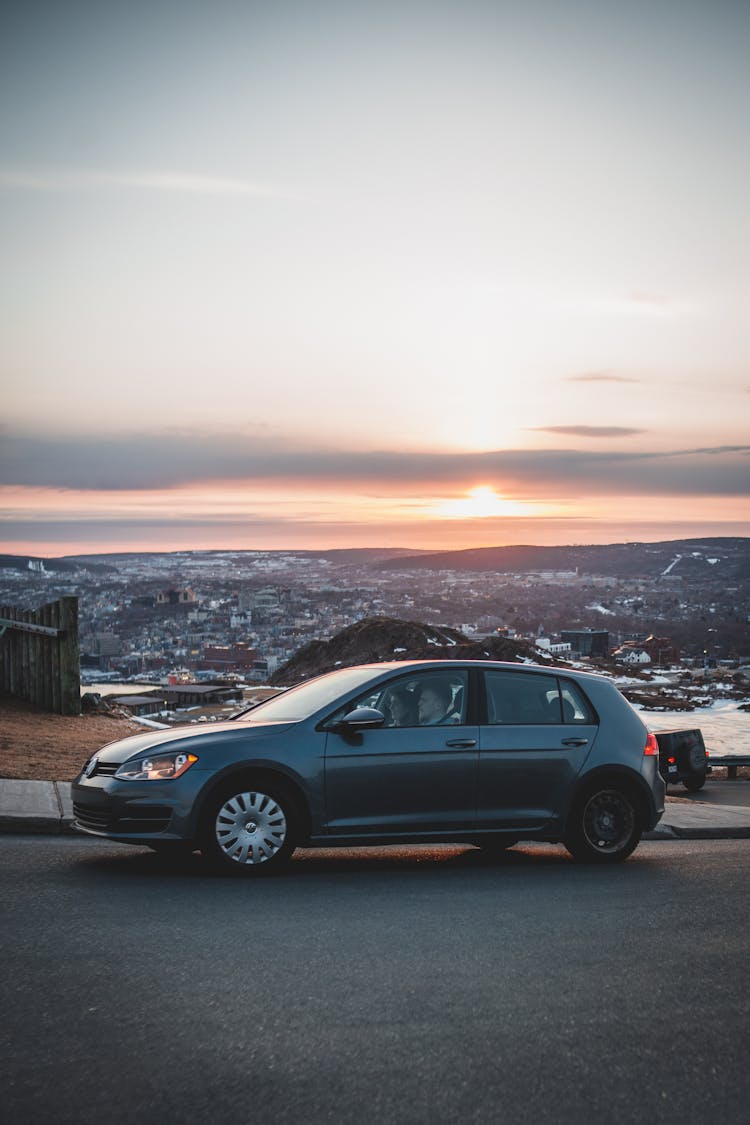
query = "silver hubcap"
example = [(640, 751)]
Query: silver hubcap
[(608, 821), (250, 828)]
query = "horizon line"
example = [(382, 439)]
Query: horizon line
[(363, 550)]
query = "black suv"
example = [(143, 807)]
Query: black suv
[(683, 757)]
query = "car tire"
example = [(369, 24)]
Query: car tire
[(604, 825), (693, 784), (249, 829)]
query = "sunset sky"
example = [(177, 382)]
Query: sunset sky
[(328, 274)]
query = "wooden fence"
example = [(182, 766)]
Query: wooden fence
[(39, 655)]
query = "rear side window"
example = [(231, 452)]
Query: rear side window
[(575, 706), (522, 697), (532, 697)]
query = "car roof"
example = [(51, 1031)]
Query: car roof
[(416, 665)]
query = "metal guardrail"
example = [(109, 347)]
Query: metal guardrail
[(731, 761)]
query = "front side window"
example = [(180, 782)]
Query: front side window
[(431, 698)]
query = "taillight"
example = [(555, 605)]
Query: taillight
[(651, 749)]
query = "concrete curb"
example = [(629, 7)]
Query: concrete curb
[(719, 832), (35, 807)]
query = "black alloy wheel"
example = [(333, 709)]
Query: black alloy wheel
[(604, 826)]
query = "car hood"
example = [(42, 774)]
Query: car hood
[(126, 748)]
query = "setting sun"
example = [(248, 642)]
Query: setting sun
[(480, 503)]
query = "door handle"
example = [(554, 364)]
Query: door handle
[(575, 742), (462, 743)]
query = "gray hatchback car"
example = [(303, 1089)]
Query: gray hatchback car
[(475, 752)]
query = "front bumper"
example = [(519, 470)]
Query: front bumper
[(136, 811)]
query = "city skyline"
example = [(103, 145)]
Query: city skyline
[(391, 275)]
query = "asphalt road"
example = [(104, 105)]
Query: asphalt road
[(411, 985)]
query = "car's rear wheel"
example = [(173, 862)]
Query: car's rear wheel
[(248, 829), (693, 784), (604, 826)]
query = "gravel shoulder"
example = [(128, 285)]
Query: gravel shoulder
[(38, 746)]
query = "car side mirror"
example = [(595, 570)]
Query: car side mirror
[(361, 718)]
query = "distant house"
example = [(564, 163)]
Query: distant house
[(138, 704), (192, 695), (650, 650), (662, 650)]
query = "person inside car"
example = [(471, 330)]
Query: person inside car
[(436, 704), (403, 708)]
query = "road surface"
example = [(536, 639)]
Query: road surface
[(405, 986)]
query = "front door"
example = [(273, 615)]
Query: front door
[(418, 776)]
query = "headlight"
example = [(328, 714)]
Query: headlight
[(156, 767)]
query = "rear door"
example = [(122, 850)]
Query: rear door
[(538, 731)]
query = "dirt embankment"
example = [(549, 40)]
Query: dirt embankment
[(38, 746)]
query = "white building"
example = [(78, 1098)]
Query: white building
[(632, 656), (554, 648)]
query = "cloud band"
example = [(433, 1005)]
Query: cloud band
[(169, 460)]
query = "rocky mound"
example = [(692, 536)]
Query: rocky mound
[(377, 639)]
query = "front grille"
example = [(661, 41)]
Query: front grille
[(106, 769), (148, 819)]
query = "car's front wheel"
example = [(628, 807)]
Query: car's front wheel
[(604, 826), (249, 829)]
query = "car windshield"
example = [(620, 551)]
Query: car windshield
[(303, 701)]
